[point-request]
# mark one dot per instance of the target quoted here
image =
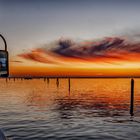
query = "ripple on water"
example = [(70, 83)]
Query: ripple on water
[(93, 109)]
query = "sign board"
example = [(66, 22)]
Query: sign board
[(4, 63), (4, 71)]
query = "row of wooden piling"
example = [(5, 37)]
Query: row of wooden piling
[(48, 81), (69, 83)]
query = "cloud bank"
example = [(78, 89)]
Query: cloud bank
[(107, 50)]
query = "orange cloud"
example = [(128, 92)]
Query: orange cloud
[(107, 50)]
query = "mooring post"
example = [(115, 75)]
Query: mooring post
[(57, 82), (132, 98), (69, 83), (44, 79), (48, 81)]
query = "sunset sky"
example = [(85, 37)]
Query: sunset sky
[(72, 37)]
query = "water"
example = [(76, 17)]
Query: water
[(92, 109)]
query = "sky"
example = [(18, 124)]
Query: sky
[(72, 37)]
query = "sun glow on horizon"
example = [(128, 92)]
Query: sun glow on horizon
[(75, 69), (107, 57)]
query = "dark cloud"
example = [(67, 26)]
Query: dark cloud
[(107, 48)]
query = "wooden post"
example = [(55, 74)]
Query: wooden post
[(69, 84), (48, 81), (132, 98), (57, 82), (44, 79)]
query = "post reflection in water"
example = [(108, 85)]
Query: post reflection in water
[(31, 103)]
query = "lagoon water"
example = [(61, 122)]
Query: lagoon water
[(92, 109)]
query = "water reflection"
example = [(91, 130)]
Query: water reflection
[(91, 108), (56, 103), (93, 102)]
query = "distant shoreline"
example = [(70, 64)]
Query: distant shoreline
[(74, 77)]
